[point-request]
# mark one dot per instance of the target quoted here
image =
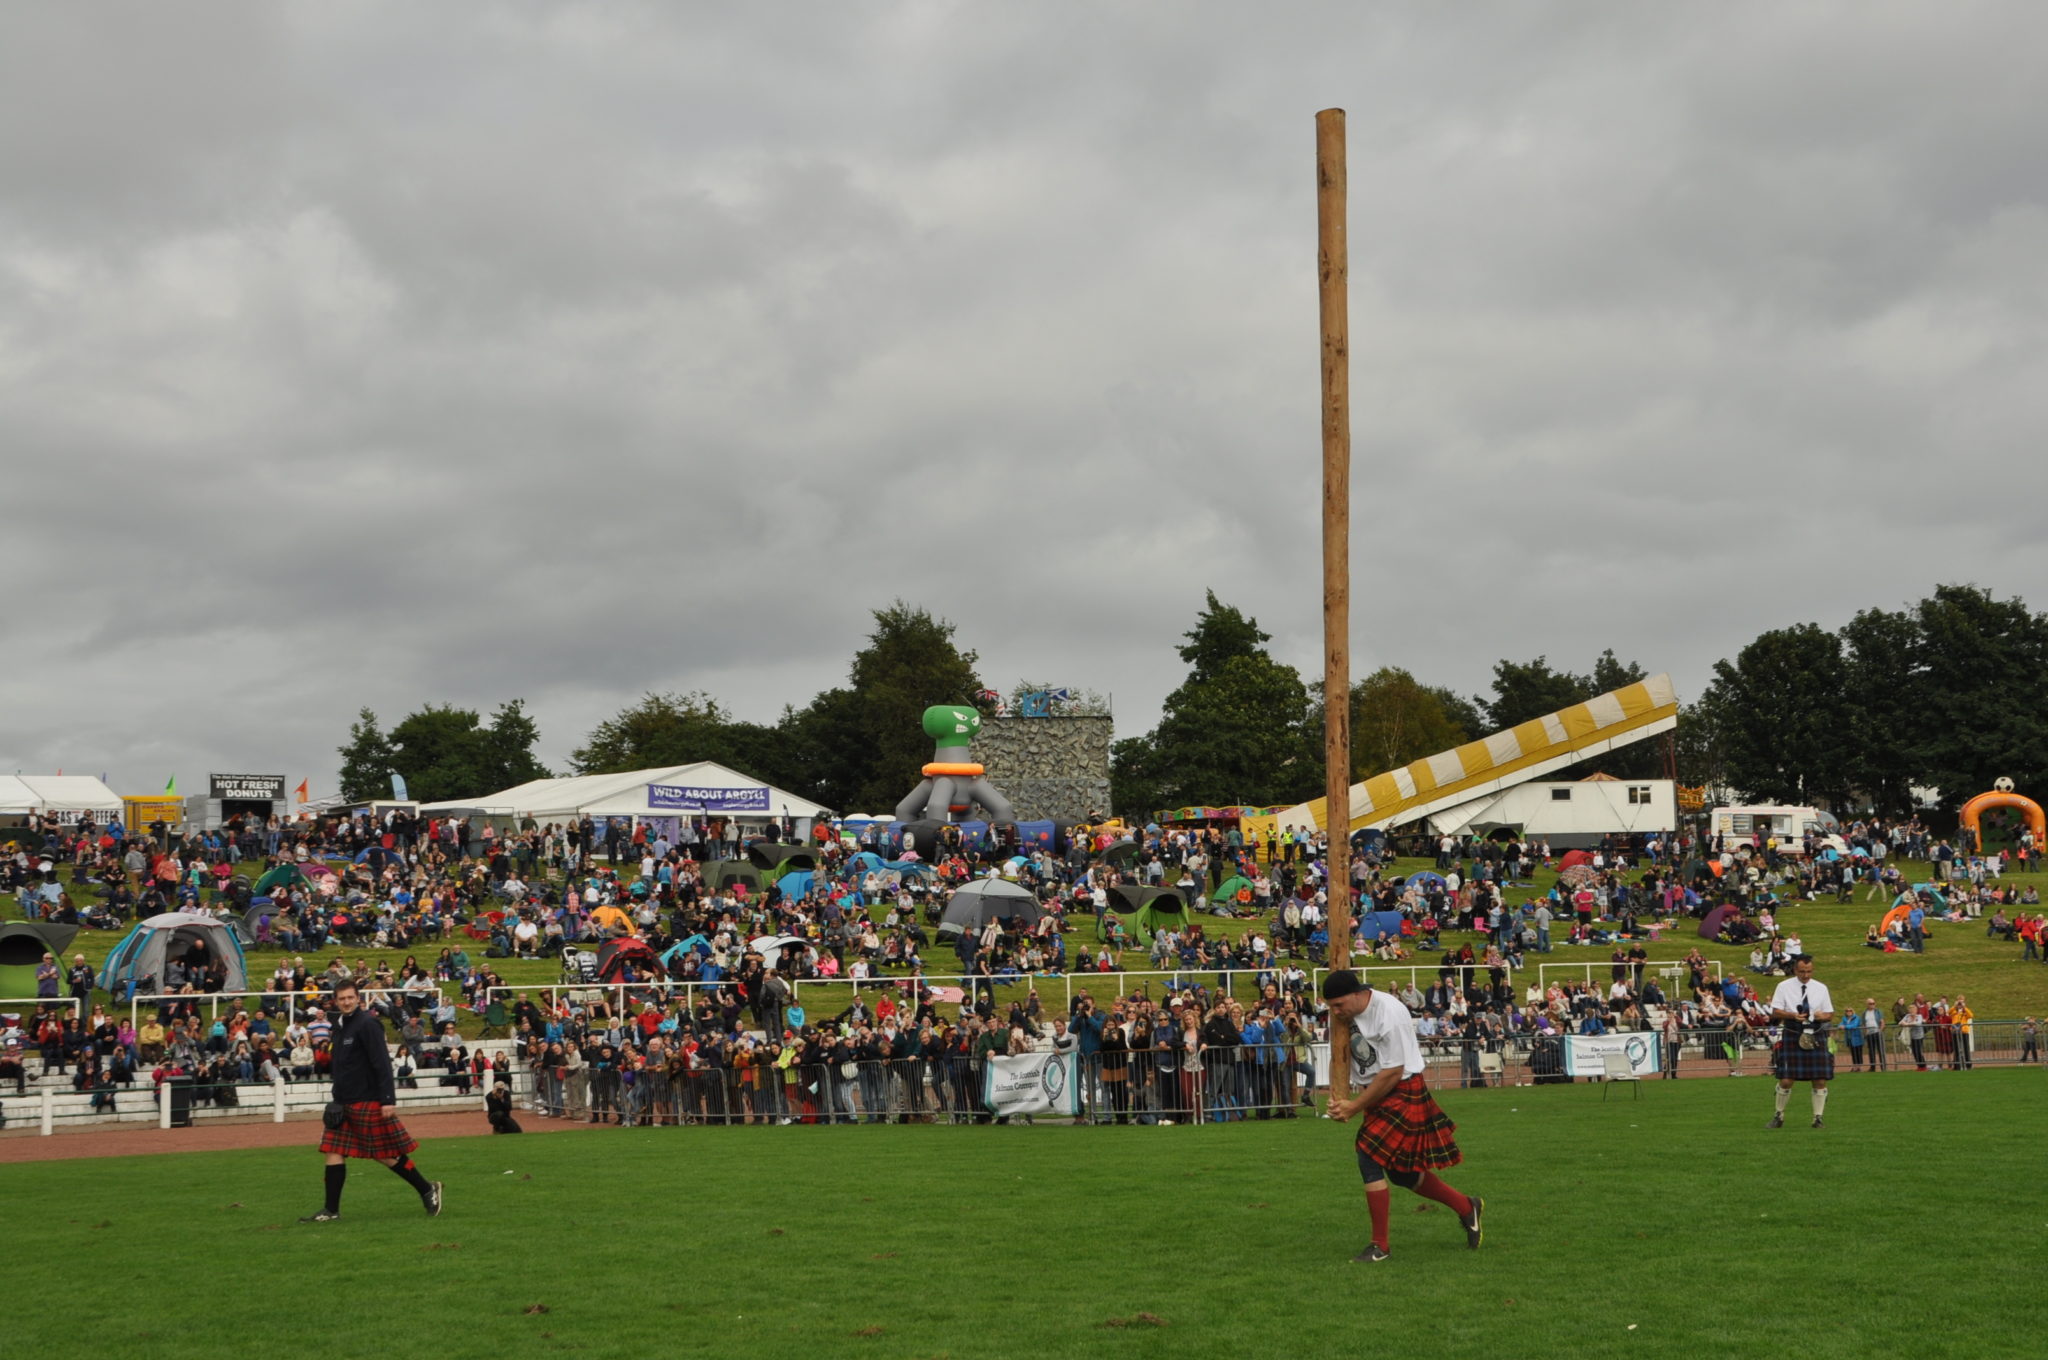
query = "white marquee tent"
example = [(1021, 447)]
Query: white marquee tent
[(21, 794), (701, 789)]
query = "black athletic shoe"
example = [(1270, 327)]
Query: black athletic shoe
[(1817, 1123), (432, 1199), (1777, 1122), (324, 1216), (1474, 1234), (1374, 1252)]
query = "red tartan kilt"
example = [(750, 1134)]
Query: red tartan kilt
[(1408, 1131), (369, 1132)]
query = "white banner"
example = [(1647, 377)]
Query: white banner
[(1585, 1055), (1032, 1083)]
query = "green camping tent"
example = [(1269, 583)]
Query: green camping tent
[(1228, 890), (283, 876)]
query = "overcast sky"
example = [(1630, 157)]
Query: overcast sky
[(391, 353)]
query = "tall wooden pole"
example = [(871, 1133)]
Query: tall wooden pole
[(1334, 271)]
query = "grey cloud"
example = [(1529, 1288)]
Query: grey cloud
[(382, 353)]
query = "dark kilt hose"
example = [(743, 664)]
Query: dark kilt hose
[(1790, 1062), (369, 1132), (1408, 1131)]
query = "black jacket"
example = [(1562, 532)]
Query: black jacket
[(362, 1062)]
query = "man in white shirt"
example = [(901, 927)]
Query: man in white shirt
[(1405, 1136), (1803, 1008)]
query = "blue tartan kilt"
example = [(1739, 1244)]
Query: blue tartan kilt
[(1790, 1062)]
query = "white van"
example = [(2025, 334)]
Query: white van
[(1735, 825)]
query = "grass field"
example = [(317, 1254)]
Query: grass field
[(1959, 958), (1669, 1226)]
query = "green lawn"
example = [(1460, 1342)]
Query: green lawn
[(1959, 958), (1673, 1225)]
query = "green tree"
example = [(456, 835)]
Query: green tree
[(1220, 635), (1883, 700), (1526, 690), (1232, 733), (1465, 714), (1395, 719), (1782, 716), (910, 663), (508, 747), (675, 729), (366, 762), (446, 752), (1981, 693), (1701, 760)]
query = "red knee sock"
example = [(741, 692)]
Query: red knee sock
[(1378, 1201), (1429, 1187)]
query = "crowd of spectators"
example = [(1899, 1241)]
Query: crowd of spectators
[(737, 1045)]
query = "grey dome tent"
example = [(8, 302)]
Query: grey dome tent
[(146, 950)]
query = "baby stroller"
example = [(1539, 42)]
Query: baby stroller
[(579, 965)]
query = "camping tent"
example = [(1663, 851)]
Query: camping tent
[(614, 955), (1157, 908), (146, 950), (1228, 890), (867, 862), (1373, 924), (283, 876), (611, 918), (778, 857), (1573, 858), (1710, 927), (1123, 852), (22, 946), (720, 872)]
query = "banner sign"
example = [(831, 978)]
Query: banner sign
[(693, 798), (1585, 1055), (138, 813), (252, 787), (1032, 1083)]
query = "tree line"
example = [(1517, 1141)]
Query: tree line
[(1946, 694), (1244, 728), (855, 746)]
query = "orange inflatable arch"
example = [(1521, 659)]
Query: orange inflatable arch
[(1974, 810)]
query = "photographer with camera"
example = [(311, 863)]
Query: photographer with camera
[(1803, 1009)]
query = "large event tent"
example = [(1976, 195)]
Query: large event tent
[(704, 788), (21, 794)]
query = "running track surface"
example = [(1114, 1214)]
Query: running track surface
[(218, 1136)]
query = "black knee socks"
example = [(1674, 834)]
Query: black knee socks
[(336, 1174), (410, 1174)]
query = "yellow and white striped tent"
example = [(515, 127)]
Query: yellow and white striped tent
[(1505, 759)]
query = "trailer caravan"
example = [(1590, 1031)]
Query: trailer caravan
[(1781, 822)]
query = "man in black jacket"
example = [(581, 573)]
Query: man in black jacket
[(364, 1090)]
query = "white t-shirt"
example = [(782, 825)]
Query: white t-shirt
[(1383, 1035), (1791, 992)]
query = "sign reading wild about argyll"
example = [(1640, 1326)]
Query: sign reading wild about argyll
[(694, 798)]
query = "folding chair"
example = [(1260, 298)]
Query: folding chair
[(1492, 1065), (1615, 1068)]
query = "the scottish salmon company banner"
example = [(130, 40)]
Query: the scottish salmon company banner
[(1032, 1083), (1585, 1055)]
